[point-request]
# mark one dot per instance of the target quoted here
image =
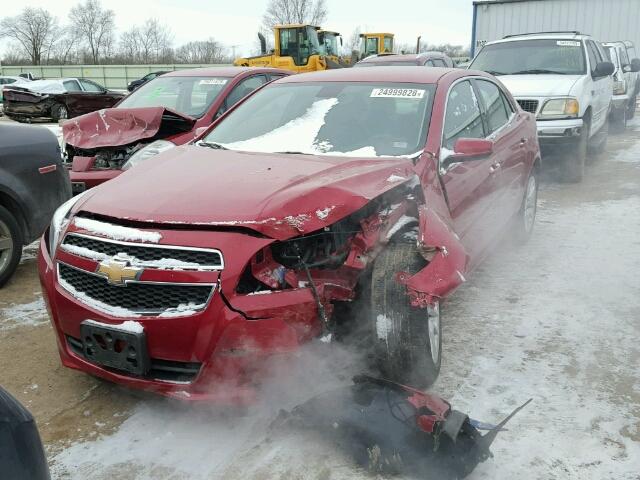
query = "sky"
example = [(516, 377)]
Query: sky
[(236, 22)]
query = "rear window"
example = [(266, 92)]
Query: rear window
[(404, 63), (524, 57), (191, 96)]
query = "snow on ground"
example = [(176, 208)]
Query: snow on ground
[(556, 321), (23, 315)]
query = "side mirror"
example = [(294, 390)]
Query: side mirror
[(472, 148), (604, 69), (635, 65)]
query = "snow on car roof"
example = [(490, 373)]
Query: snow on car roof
[(48, 86), (407, 74)]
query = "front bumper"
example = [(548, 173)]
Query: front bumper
[(620, 102), (229, 352), (559, 132)]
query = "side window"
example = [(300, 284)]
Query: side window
[(495, 112), (71, 86), (91, 87), (244, 88), (276, 76), (462, 118), (429, 63), (593, 59), (439, 63), (624, 58)]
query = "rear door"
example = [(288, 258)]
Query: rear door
[(508, 130), (601, 91), (471, 185), (94, 97)]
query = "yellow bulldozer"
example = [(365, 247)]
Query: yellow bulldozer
[(297, 48), (375, 44)]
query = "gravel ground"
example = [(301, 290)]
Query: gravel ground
[(556, 321)]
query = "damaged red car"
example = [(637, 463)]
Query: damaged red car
[(381, 187), (167, 111)]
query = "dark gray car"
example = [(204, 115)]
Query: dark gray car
[(33, 184)]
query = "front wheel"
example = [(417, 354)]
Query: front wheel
[(407, 340), (10, 245), (59, 112), (573, 166)]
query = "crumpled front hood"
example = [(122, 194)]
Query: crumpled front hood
[(280, 196), (539, 85), (112, 127)]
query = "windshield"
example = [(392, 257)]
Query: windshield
[(332, 118), (190, 96), (329, 43), (563, 57)]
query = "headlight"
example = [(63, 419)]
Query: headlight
[(60, 220), (560, 107), (148, 151), (619, 87)]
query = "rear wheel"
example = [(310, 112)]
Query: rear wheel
[(525, 219), (408, 340), (10, 245), (573, 167), (59, 112)]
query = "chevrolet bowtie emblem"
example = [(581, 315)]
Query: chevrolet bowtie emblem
[(118, 272)]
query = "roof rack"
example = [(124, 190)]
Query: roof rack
[(575, 32)]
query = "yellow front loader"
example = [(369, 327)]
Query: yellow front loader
[(375, 44), (297, 48)]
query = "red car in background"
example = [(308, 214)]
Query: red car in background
[(164, 112), (380, 188)]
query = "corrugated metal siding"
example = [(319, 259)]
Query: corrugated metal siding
[(605, 20)]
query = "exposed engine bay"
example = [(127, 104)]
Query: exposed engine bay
[(107, 157)]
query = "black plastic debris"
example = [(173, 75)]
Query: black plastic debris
[(21, 453), (391, 428)]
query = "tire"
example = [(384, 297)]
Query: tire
[(59, 112), (631, 110), (573, 167), (404, 336), (525, 219), (618, 120), (10, 245)]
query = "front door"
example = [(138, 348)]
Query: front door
[(471, 185)]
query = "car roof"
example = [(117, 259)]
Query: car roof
[(399, 74), (542, 36), (222, 71)]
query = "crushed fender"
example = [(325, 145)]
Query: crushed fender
[(391, 428)]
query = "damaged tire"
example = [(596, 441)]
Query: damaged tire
[(408, 340), (10, 245)]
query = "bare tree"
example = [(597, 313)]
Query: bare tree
[(150, 43), (96, 26), (34, 32), (352, 42), (281, 12), (207, 51)]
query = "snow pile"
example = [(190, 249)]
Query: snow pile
[(183, 310), (129, 326), (116, 232)]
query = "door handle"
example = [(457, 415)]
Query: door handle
[(523, 142), (494, 167)]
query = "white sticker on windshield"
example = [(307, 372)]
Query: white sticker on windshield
[(567, 43), (212, 81), (397, 93)]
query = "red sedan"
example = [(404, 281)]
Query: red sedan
[(167, 111), (380, 188)]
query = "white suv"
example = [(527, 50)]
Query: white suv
[(565, 80), (625, 79)]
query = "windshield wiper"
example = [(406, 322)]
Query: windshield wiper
[(215, 146), (534, 71), (494, 73)]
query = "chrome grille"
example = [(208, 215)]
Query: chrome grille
[(137, 297), (530, 106), (187, 256)]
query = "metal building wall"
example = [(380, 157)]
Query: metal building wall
[(605, 20)]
